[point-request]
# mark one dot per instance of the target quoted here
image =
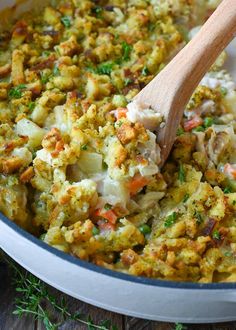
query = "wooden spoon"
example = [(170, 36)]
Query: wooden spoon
[(170, 91)]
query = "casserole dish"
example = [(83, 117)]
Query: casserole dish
[(177, 302)]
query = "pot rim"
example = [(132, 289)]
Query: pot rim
[(115, 274)]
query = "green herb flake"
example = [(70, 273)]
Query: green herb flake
[(46, 53), (227, 190), (95, 231), (224, 91), (97, 10), (208, 121), (180, 326), (181, 174), (56, 70), (145, 229), (107, 207), (105, 68), (145, 71), (16, 92), (198, 129), (126, 49), (84, 147), (234, 202), (216, 235), (228, 254), (44, 78), (180, 131), (170, 220), (128, 81), (186, 197), (198, 216), (66, 21), (31, 106)]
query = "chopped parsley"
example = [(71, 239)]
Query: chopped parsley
[(44, 77), (126, 49), (105, 68), (107, 207), (180, 131), (46, 53), (145, 229), (186, 197), (216, 234), (95, 231), (31, 106), (84, 147), (198, 216), (181, 174), (145, 71), (224, 91), (208, 121), (16, 92), (198, 129), (128, 81), (97, 10), (170, 220), (66, 21), (228, 254), (56, 70), (227, 190)]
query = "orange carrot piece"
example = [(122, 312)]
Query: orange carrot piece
[(137, 183), (121, 113)]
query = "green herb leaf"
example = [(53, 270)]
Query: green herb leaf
[(224, 91), (227, 190), (198, 216), (145, 229), (128, 81), (44, 77), (105, 68), (180, 326), (84, 147), (95, 231), (216, 235), (180, 131), (56, 71), (97, 10), (107, 207), (16, 92), (198, 129), (66, 20), (170, 220), (186, 197), (181, 175), (31, 106), (126, 49), (145, 71), (208, 121)]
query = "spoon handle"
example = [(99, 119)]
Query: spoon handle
[(172, 88)]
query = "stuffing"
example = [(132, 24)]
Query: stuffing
[(80, 161)]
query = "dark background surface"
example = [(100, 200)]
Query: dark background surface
[(10, 322)]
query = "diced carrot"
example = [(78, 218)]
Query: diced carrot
[(192, 123), (230, 170), (137, 183), (103, 225), (109, 215), (121, 113)]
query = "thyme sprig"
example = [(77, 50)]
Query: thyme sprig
[(34, 299)]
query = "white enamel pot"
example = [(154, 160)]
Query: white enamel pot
[(135, 296)]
